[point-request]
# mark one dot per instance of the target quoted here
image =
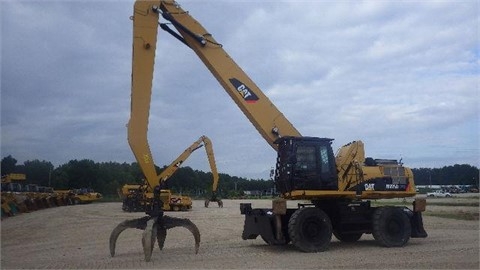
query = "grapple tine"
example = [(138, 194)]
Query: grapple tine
[(148, 238), (161, 235), (172, 222), (139, 223)]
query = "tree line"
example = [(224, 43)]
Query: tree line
[(108, 177), (448, 175)]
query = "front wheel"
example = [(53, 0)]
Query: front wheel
[(391, 226), (310, 229)]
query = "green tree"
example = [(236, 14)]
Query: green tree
[(113, 175), (80, 174), (39, 172), (8, 165), (458, 174)]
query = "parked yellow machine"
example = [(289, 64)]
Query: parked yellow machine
[(78, 196), (133, 198), (173, 202), (65, 196), (12, 177), (20, 197), (137, 198), (10, 205), (85, 195), (13, 198)]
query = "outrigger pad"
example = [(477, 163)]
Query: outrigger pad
[(416, 222)]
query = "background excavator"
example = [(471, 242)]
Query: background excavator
[(339, 187), (138, 197)]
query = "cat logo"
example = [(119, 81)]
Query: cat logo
[(246, 93), (369, 186)]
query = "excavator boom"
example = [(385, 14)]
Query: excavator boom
[(202, 141), (261, 112)]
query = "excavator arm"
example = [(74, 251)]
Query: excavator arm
[(145, 25), (144, 45), (211, 160), (173, 167), (261, 112), (143, 194)]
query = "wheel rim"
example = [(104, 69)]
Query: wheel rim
[(312, 229), (394, 228), (391, 226)]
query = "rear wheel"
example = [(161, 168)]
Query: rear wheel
[(310, 229), (391, 227)]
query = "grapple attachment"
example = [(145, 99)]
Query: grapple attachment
[(153, 228)]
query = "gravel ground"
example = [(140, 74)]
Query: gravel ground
[(74, 237)]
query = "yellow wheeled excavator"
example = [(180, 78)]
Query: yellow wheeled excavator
[(138, 197), (339, 187)]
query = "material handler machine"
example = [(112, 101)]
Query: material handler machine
[(139, 197), (339, 188)]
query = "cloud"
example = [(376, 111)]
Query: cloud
[(394, 74)]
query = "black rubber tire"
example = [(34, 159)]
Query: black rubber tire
[(347, 237), (310, 229), (391, 226)]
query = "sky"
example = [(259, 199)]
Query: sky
[(402, 76)]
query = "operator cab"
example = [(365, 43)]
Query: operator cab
[(305, 163)]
